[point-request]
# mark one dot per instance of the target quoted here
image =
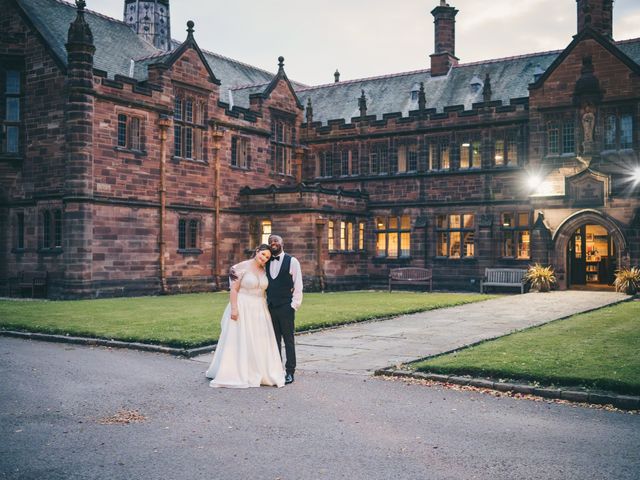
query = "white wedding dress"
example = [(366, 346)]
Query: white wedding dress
[(247, 354)]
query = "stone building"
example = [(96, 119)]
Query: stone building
[(134, 164)]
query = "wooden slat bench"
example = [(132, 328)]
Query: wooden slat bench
[(411, 276), (503, 277), (30, 282)]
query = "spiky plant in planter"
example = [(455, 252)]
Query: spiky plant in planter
[(628, 280), (540, 278)]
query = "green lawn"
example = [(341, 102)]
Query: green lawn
[(193, 320), (600, 350)]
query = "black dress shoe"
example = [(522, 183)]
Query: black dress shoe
[(288, 378)]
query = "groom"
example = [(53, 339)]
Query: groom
[(284, 297)]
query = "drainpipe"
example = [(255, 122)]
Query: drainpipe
[(164, 123), (215, 261), (299, 156), (320, 224)]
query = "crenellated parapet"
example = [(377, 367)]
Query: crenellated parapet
[(451, 116)]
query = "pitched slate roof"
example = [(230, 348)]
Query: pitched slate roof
[(509, 77), (116, 44)]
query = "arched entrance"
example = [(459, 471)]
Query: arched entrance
[(588, 247)]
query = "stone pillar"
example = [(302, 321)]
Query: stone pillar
[(78, 195)]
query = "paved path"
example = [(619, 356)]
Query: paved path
[(324, 426), (365, 347)]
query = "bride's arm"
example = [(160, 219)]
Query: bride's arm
[(235, 277)]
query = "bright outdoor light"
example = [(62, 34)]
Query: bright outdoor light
[(635, 176), (533, 181)]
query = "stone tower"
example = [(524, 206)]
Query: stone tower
[(150, 20)]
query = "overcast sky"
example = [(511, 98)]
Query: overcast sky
[(363, 38)]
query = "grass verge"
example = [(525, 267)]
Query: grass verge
[(193, 320), (595, 350)]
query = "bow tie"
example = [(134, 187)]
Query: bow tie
[(277, 259)]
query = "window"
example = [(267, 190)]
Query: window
[(11, 91), (506, 151), (439, 158), (265, 231), (51, 229), (470, 154), (618, 131), (516, 235), (344, 241), (568, 137), (325, 167), (240, 152), (349, 236), (455, 235), (188, 234), (330, 236), (130, 132), (379, 159), (189, 129), (393, 236), (361, 236), (407, 158), (18, 242), (553, 138), (283, 139), (561, 137)]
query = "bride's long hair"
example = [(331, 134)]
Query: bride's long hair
[(260, 248)]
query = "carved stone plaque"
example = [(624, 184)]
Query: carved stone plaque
[(587, 191)]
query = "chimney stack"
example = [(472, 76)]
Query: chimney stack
[(598, 14), (444, 56)]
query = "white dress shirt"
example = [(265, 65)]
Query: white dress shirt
[(296, 276)]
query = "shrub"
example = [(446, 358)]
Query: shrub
[(627, 280), (540, 278)]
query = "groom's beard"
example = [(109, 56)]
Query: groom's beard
[(276, 252)]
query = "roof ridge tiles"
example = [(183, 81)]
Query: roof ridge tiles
[(253, 85), (364, 79), (427, 70), (224, 57), (158, 54), (627, 40)]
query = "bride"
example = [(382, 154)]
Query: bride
[(247, 354)]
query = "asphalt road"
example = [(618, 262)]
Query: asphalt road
[(324, 426)]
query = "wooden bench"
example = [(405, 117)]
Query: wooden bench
[(30, 282), (411, 276), (503, 277)]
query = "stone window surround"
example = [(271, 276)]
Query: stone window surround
[(618, 113), (397, 235), (189, 241), (240, 158), (189, 125), (514, 229), (344, 231), (11, 64), (50, 223), (130, 143), (448, 230)]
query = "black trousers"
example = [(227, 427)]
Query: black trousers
[(283, 318)]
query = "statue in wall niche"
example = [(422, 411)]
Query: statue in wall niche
[(588, 123), (588, 119)]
